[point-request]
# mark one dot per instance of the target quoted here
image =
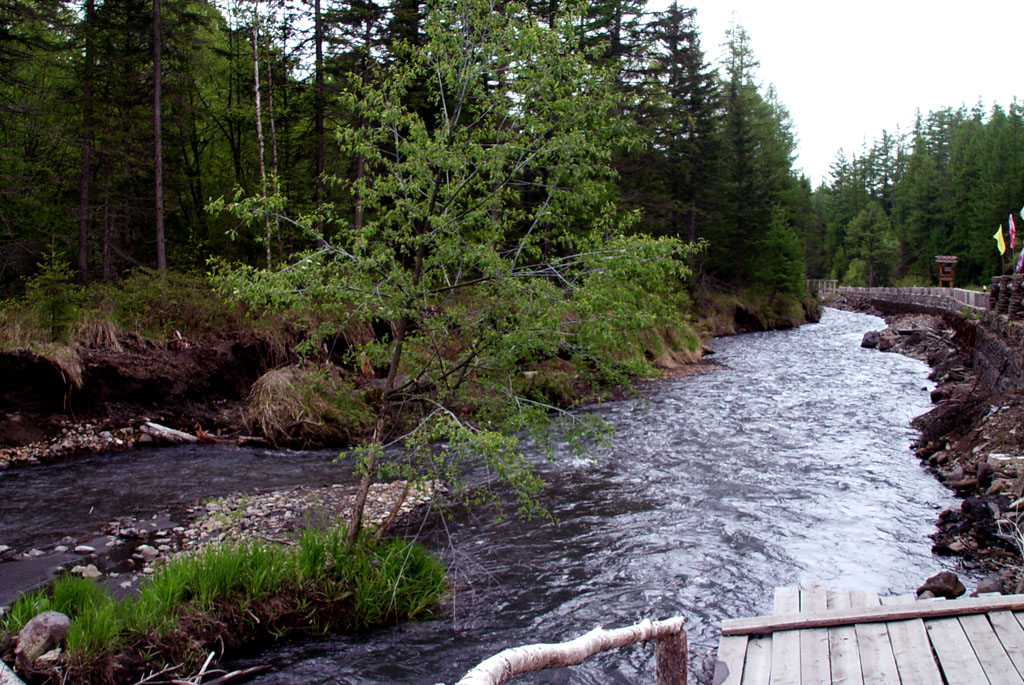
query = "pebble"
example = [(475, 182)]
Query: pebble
[(73, 438), (149, 553), (275, 517), (89, 571)]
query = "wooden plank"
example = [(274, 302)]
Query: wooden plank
[(786, 644), (842, 644), (1011, 634), (957, 660), (814, 660), (757, 668), (877, 663), (925, 610), (910, 647), (989, 650), (732, 652)]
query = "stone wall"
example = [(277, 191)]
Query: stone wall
[(998, 353)]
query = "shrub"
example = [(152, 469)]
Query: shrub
[(156, 305)]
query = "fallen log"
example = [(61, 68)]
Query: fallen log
[(671, 655), (165, 434), (7, 676)]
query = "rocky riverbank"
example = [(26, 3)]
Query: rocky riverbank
[(972, 440), (129, 548)]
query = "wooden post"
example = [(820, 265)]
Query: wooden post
[(670, 657)]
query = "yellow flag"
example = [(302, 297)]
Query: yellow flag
[(1000, 243)]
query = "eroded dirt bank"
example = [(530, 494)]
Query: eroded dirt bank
[(94, 396), (973, 439)]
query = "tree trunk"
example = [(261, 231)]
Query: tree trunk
[(318, 110), (396, 508), (357, 219), (356, 522), (502, 666), (158, 154), (106, 229), (274, 171), (85, 163), (259, 125)]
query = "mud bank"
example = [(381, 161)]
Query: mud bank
[(93, 396)]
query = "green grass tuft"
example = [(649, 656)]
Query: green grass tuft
[(238, 594)]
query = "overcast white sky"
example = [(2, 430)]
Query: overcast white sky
[(847, 70)]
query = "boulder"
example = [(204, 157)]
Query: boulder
[(870, 339), (990, 584), (39, 636), (977, 510), (943, 584), (985, 472)]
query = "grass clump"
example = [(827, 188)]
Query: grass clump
[(234, 595), (298, 404), (156, 305)]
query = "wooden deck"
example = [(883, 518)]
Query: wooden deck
[(818, 635)]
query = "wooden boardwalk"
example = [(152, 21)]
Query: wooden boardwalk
[(818, 635)]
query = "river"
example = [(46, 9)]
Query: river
[(791, 462)]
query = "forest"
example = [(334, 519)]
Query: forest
[(128, 127), (942, 189), (124, 121)]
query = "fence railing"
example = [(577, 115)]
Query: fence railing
[(822, 286), (951, 299)]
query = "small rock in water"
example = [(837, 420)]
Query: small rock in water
[(943, 584), (148, 553), (89, 571), (4, 548), (990, 584), (870, 339), (84, 549)]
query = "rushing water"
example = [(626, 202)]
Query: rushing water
[(792, 462)]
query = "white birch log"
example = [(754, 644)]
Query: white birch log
[(166, 434), (503, 665), (7, 676)]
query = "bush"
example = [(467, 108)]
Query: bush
[(156, 306)]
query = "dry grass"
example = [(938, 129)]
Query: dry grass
[(299, 404), (97, 334)]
